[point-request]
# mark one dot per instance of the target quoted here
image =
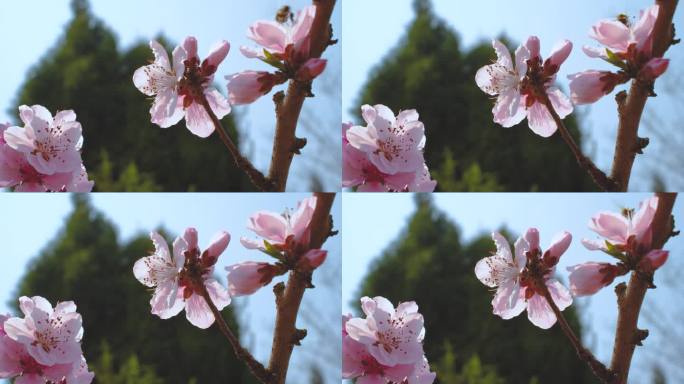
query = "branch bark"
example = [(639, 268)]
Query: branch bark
[(597, 367), (599, 177), (288, 300), (630, 301), (257, 369), (257, 178), (627, 143), (288, 110)]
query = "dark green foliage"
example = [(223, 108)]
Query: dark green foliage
[(429, 70), (88, 264), (430, 264), (87, 72)]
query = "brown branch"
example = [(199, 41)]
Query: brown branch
[(597, 367), (627, 335), (289, 298), (257, 369), (285, 144), (599, 177), (627, 143), (257, 178)]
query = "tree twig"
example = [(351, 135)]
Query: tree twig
[(257, 178), (627, 335), (289, 108), (599, 177), (257, 369), (288, 300), (597, 367), (627, 142)]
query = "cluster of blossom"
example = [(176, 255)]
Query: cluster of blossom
[(44, 346), (628, 238), (43, 155), (182, 86), (524, 279), (181, 280), (523, 88), (286, 46), (386, 346), (386, 155)]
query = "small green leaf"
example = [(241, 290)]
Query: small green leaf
[(613, 251), (614, 59), (271, 60), (272, 251)]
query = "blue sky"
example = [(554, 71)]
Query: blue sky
[(372, 221), (133, 214), (372, 28), (209, 21)]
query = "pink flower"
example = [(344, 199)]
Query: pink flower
[(618, 36), (80, 374), (517, 280), (359, 172), (517, 86), (248, 277), (311, 69), (653, 69), (50, 336), (312, 259), (588, 278), (421, 373), (246, 87), (358, 363), (589, 86), (175, 280), (503, 271), (283, 231), (618, 229), (16, 362), (176, 86), (628, 47), (276, 37), (358, 358), (393, 145), (392, 336), (422, 181), (50, 145), (653, 260)]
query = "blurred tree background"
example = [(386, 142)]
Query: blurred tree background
[(123, 342), (466, 151), (86, 71), (465, 343)]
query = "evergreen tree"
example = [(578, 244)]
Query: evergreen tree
[(466, 151), (430, 264), (85, 71), (123, 341)]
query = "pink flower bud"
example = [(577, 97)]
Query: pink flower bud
[(311, 69), (653, 260), (248, 277), (246, 87), (218, 244), (190, 46), (654, 68), (216, 55), (313, 258), (588, 278), (532, 46), (589, 86), (190, 237), (532, 237), (559, 54)]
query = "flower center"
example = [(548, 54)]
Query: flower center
[(502, 79)]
